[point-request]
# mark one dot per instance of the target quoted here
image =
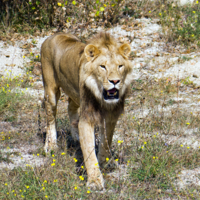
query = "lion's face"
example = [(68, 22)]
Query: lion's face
[(108, 72)]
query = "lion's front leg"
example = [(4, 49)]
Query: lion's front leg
[(105, 142), (86, 135)]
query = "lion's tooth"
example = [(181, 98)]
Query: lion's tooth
[(108, 93), (115, 93)]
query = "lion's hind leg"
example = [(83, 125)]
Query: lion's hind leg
[(74, 119), (51, 98)]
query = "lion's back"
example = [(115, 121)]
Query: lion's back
[(62, 53)]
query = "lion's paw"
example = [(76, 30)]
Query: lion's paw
[(96, 184)]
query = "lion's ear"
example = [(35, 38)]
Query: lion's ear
[(125, 50), (91, 51)]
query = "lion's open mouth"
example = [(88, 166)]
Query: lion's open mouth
[(111, 94)]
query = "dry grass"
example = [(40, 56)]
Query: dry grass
[(149, 166)]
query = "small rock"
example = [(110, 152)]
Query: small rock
[(54, 30), (195, 76)]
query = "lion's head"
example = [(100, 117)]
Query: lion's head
[(108, 70)]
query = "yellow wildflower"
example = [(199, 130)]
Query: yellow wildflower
[(102, 9), (81, 177)]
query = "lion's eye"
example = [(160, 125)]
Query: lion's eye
[(103, 66), (120, 66)]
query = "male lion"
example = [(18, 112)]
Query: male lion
[(96, 77)]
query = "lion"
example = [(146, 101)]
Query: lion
[(96, 77)]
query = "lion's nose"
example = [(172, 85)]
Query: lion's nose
[(114, 81)]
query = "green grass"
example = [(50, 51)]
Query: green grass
[(157, 164), (11, 96), (8, 104)]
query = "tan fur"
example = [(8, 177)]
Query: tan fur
[(88, 74)]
